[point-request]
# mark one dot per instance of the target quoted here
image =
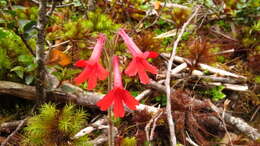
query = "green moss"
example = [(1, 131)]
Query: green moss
[(129, 141), (257, 79), (54, 126)]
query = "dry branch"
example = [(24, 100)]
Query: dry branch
[(90, 128), (205, 67), (66, 93), (168, 79), (58, 6), (70, 93), (173, 5), (9, 125), (4, 143), (240, 124)]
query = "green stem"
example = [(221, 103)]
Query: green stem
[(110, 114)]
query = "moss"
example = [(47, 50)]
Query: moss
[(53, 126)]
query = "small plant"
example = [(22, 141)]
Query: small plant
[(216, 93), (54, 126), (16, 63)]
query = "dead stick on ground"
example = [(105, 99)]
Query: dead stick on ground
[(154, 124), (237, 122), (14, 132), (168, 78), (80, 97), (10, 125)]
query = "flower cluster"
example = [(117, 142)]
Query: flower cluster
[(118, 96)]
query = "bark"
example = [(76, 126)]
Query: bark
[(40, 72)]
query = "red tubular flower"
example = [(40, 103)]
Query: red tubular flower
[(93, 70), (139, 63), (118, 96)]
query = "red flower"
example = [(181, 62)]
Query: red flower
[(153, 54), (118, 96), (93, 70), (139, 63)]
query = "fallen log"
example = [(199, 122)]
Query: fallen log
[(70, 93), (65, 93)]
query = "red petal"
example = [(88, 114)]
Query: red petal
[(81, 63), (92, 82), (143, 76), (118, 106), (106, 101), (131, 70), (140, 65), (83, 76), (148, 67), (130, 101), (153, 54), (102, 73), (92, 72)]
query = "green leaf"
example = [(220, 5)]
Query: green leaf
[(3, 3), (31, 67), (19, 74), (162, 99), (29, 26), (11, 12), (29, 79), (5, 62), (134, 93), (26, 59), (216, 93), (19, 70), (58, 75), (2, 34), (28, 30)]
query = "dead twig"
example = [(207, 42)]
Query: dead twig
[(58, 6), (10, 125), (168, 78), (173, 5), (143, 94), (254, 114), (150, 133), (53, 6), (4, 143), (154, 125), (237, 122), (224, 123), (90, 128), (205, 67)]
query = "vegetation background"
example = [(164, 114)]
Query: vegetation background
[(224, 34)]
